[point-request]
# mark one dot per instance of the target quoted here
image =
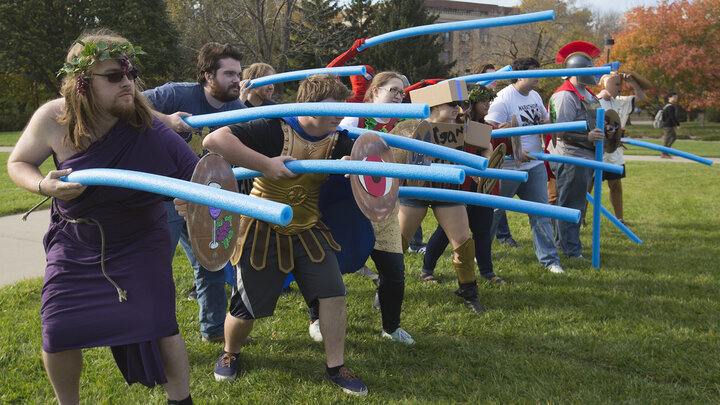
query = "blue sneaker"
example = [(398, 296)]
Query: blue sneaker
[(226, 367), (348, 382)]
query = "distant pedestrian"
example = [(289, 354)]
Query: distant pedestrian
[(670, 121)]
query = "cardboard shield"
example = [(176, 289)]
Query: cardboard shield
[(213, 232), (420, 130), (516, 143), (496, 161), (376, 196), (613, 132)]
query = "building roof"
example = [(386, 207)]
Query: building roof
[(470, 7)]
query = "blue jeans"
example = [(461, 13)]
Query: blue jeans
[(572, 186), (503, 229), (210, 285), (535, 190)]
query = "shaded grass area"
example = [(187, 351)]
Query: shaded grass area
[(687, 130), (641, 329), (15, 199)]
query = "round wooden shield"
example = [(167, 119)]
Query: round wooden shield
[(613, 131), (213, 232), (420, 130), (376, 196)]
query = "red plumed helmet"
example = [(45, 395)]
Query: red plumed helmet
[(581, 47)]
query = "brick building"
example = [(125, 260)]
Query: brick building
[(468, 47)]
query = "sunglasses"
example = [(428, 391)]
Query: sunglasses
[(118, 76), (461, 104), (394, 91)]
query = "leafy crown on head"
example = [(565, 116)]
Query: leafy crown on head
[(93, 52), (481, 93)]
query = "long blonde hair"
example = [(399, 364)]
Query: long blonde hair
[(81, 115)]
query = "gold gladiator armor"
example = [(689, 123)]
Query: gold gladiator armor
[(302, 194)]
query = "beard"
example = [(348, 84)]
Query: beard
[(224, 94), (123, 111)]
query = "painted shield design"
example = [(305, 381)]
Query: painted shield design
[(213, 232), (376, 196)]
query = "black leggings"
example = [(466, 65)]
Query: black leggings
[(480, 219), (391, 288)]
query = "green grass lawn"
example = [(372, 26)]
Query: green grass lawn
[(687, 130), (15, 199), (644, 328), (709, 149), (9, 138)]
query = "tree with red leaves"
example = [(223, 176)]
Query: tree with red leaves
[(676, 45)]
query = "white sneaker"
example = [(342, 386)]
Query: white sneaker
[(555, 268), (314, 330), (400, 336)]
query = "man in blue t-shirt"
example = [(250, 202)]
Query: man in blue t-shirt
[(218, 89)]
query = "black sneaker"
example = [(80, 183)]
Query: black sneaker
[(348, 382), (192, 294), (226, 367), (473, 304), (510, 242)]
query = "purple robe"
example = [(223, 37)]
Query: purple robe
[(80, 307)]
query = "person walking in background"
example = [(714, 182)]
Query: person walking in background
[(670, 121)]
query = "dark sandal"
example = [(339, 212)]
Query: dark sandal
[(497, 279), (428, 277)]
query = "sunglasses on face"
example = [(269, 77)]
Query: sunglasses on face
[(118, 76), (394, 91), (461, 104)]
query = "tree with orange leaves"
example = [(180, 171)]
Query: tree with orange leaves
[(676, 45)]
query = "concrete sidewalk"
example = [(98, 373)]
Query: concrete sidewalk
[(21, 248)]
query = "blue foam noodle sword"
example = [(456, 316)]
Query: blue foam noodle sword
[(303, 74), (593, 164), (514, 175), (540, 129), (487, 200), (539, 73), (310, 109), (458, 26), (615, 221), (425, 148), (665, 149), (264, 210), (505, 68), (451, 174), (599, 149)]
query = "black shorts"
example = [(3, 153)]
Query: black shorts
[(257, 291), (415, 203), (613, 176)]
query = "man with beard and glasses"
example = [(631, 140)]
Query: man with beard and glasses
[(108, 278), (217, 89), (262, 95)]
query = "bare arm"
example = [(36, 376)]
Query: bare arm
[(237, 153), (639, 92), (174, 121), (41, 138)]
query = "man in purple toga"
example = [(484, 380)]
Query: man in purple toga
[(108, 280)]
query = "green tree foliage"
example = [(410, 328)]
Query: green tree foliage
[(316, 35), (37, 34), (415, 57), (359, 17)]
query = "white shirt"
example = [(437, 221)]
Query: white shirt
[(623, 106), (529, 110)]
